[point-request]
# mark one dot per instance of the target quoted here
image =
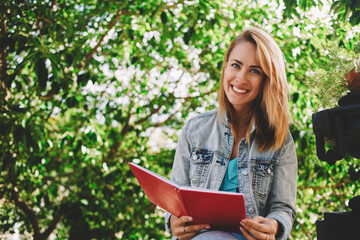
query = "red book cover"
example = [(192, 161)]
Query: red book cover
[(221, 210), (159, 190)]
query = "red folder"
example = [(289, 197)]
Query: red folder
[(221, 210)]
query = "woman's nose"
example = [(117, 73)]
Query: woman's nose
[(241, 76)]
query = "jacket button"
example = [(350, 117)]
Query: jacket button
[(251, 210), (245, 172), (194, 157)]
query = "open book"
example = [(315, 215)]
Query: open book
[(221, 210)]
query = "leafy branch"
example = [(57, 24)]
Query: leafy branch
[(38, 235), (111, 24)]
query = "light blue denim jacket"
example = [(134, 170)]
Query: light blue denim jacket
[(267, 179)]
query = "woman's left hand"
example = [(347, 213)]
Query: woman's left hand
[(260, 228)]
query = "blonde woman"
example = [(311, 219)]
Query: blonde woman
[(245, 145)]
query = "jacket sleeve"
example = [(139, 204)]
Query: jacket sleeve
[(282, 199), (181, 167)]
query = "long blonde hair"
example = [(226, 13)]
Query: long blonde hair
[(271, 110)]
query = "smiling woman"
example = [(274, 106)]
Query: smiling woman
[(243, 77), (270, 108), (252, 150)]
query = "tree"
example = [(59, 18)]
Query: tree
[(84, 84), (346, 11)]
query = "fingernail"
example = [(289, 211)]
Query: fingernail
[(207, 227), (190, 219), (241, 229)]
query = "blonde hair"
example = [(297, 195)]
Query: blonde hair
[(271, 110)]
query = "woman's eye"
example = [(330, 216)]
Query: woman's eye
[(255, 71), (235, 65)]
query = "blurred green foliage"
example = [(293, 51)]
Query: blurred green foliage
[(346, 11), (84, 86), (328, 83)]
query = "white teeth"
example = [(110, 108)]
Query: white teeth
[(239, 90)]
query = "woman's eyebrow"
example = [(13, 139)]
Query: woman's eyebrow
[(239, 62)]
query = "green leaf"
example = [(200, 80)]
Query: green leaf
[(188, 34), (163, 17), (355, 18), (85, 202), (19, 133), (71, 102), (83, 79)]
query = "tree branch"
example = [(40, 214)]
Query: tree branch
[(115, 147), (34, 219), (172, 6), (52, 226), (108, 28), (3, 63), (28, 212), (156, 110), (159, 124), (111, 24)]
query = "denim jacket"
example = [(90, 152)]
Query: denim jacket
[(267, 179)]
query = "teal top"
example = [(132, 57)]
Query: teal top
[(230, 182)]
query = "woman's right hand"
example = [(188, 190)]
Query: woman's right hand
[(182, 230)]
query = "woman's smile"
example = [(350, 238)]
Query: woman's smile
[(239, 90), (243, 76)]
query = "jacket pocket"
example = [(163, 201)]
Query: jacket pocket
[(200, 160), (262, 174)]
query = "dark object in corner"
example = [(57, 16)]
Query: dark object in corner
[(340, 225), (340, 127)]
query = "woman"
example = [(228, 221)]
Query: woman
[(245, 145)]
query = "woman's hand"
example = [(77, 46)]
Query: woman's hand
[(181, 229), (260, 228)]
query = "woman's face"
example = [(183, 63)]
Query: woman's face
[(243, 76)]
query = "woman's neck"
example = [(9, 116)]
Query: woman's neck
[(239, 126), (242, 120)]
